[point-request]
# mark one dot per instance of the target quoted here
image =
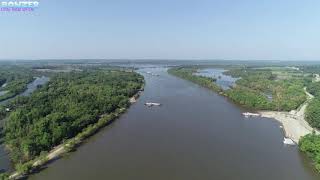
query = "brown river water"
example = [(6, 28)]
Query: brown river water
[(195, 135)]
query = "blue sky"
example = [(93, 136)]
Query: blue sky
[(164, 29)]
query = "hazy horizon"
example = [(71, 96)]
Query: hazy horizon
[(148, 59)]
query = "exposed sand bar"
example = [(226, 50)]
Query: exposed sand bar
[(293, 122), (294, 127)]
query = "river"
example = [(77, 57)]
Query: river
[(195, 134)]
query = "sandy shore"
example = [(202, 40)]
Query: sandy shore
[(293, 122), (132, 100), (55, 153)]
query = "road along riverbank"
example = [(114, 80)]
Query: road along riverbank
[(294, 123), (71, 144)]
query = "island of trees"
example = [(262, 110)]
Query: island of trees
[(310, 144), (73, 104)]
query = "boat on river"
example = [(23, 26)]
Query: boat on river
[(288, 141), (248, 114), (150, 104)]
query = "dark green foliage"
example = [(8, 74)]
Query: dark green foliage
[(25, 168), (314, 88), (4, 176), (255, 84), (65, 106), (313, 113), (249, 98), (310, 144)]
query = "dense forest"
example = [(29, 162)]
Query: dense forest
[(263, 89), (313, 87), (65, 106), (310, 144), (313, 110)]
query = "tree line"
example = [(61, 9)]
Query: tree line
[(65, 106), (310, 144), (257, 89), (188, 74)]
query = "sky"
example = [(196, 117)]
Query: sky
[(164, 29)]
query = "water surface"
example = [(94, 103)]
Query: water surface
[(196, 134), (38, 81), (224, 81), (34, 85)]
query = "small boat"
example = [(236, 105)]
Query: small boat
[(248, 114), (288, 141), (150, 104)]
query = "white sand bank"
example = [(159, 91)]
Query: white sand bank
[(293, 122)]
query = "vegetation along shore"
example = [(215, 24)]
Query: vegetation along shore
[(291, 95), (60, 115)]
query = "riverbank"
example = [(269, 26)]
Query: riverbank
[(71, 144), (294, 124), (195, 126)]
